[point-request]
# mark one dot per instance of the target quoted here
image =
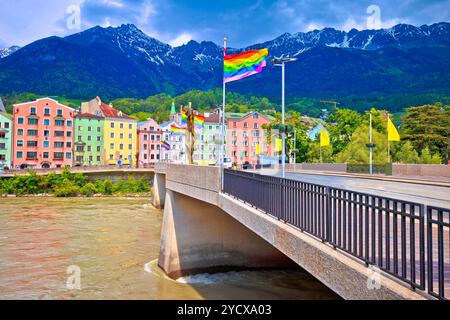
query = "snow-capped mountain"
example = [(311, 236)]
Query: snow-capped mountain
[(125, 62), (8, 51)]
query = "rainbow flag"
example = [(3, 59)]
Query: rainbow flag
[(176, 130), (245, 64), (199, 122), (166, 145), (184, 118)]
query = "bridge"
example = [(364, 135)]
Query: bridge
[(362, 241)]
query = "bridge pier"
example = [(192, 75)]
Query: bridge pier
[(199, 237), (159, 190)]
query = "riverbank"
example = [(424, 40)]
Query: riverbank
[(49, 195), (69, 184)]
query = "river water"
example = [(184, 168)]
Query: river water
[(114, 244)]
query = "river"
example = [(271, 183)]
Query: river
[(113, 243)]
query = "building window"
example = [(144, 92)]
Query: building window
[(58, 144), (130, 126), (79, 138), (245, 125), (145, 146), (19, 132), (58, 155), (121, 136), (90, 158), (20, 143), (68, 155), (112, 135), (89, 129), (79, 159), (59, 112), (130, 147), (45, 155), (152, 157), (79, 149), (121, 126), (121, 146), (46, 144), (69, 123), (59, 133), (46, 111), (32, 155), (145, 156), (33, 110), (32, 144), (32, 132), (130, 136), (69, 134), (59, 123), (32, 121), (46, 122), (80, 128), (111, 146), (98, 148), (19, 155), (98, 129), (20, 120), (111, 157), (145, 137), (99, 138), (98, 158), (255, 126), (89, 138), (112, 126), (46, 133), (89, 149), (255, 116), (68, 144)]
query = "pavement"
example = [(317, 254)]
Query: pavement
[(430, 195)]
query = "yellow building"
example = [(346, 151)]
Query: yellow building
[(120, 133)]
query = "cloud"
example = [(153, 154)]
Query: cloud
[(180, 40), (173, 21)]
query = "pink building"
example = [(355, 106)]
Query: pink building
[(149, 143), (43, 134), (245, 132)]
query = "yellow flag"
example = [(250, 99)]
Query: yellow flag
[(278, 145), (324, 139), (392, 131), (258, 148)]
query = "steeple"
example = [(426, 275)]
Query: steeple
[(172, 110)]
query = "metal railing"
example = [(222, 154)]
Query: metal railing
[(384, 232)]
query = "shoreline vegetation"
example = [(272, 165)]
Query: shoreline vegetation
[(69, 184)]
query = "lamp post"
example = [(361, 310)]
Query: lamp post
[(282, 63)]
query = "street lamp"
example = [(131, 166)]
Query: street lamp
[(281, 63)]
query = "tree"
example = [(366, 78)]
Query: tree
[(343, 124), (405, 154), (428, 127), (293, 119), (357, 152)]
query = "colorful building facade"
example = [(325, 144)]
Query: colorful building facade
[(177, 152), (246, 137), (150, 136), (120, 133), (6, 138), (43, 134), (209, 141), (88, 140)]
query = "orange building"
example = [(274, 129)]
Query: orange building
[(43, 134)]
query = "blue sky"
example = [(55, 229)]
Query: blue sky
[(244, 22)]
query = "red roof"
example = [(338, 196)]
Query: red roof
[(88, 115), (213, 118), (110, 112)]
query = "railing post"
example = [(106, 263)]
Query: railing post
[(328, 216)]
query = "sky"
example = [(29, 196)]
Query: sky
[(176, 22)]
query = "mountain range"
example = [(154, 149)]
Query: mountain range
[(123, 61)]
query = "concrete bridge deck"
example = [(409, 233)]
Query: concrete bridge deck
[(204, 228)]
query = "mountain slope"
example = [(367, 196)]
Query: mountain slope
[(125, 62), (8, 51)]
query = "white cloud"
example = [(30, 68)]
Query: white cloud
[(180, 40), (314, 26)]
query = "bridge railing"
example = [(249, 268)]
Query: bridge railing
[(383, 232)]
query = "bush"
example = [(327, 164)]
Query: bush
[(107, 187), (66, 189), (88, 189)]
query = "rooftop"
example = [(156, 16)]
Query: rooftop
[(110, 112)]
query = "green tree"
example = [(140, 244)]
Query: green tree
[(405, 153), (357, 151), (342, 124), (428, 127)]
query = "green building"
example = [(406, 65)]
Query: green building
[(88, 140), (6, 122)]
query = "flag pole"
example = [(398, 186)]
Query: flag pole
[(389, 143), (222, 151)]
